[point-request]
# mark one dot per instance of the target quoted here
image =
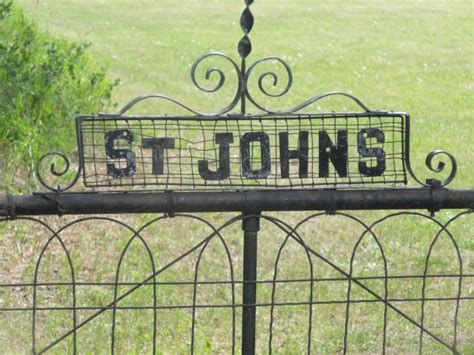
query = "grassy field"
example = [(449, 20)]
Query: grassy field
[(414, 56)]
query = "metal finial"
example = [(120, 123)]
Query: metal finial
[(246, 23)]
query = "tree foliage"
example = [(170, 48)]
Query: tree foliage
[(44, 83)]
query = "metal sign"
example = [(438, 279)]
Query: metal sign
[(244, 152)]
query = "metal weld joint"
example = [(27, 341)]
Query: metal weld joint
[(171, 211), (436, 199), (9, 209)]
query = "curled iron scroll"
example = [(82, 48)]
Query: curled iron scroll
[(289, 83), (57, 172), (210, 73), (222, 78), (242, 88), (437, 169)]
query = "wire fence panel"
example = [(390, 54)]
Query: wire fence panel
[(400, 283)]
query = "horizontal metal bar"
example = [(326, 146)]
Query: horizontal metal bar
[(238, 201), (239, 305), (235, 282)]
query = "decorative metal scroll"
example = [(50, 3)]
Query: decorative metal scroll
[(298, 149)]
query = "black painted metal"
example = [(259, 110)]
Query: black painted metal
[(294, 200), (250, 226)]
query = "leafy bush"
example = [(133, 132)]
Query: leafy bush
[(44, 83)]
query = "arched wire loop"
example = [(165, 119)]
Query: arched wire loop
[(210, 73), (55, 236), (138, 99), (290, 231), (110, 305), (425, 272), (442, 229), (117, 276), (356, 100), (311, 295), (367, 229), (437, 169), (362, 285), (349, 287), (58, 173), (149, 278), (196, 277)]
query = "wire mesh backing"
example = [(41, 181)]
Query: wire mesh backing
[(234, 152)]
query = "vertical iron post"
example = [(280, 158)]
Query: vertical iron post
[(250, 226), (243, 104)]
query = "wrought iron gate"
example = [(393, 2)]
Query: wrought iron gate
[(368, 297)]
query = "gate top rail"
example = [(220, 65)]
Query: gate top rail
[(171, 202)]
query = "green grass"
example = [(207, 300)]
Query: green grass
[(405, 56)]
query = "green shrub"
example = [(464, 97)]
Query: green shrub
[(44, 83)]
